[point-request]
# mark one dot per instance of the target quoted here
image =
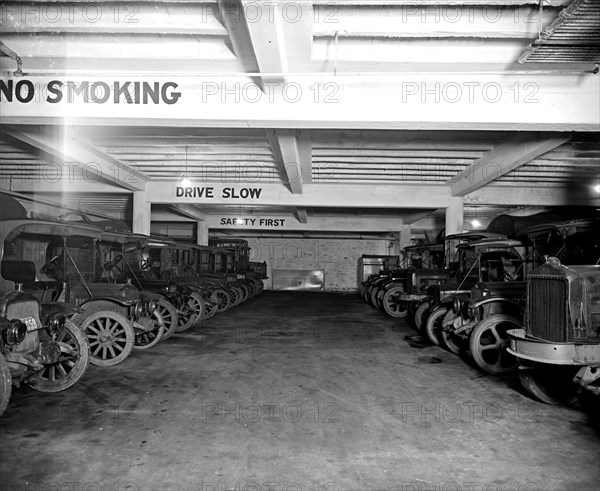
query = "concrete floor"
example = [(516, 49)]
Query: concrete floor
[(293, 391)]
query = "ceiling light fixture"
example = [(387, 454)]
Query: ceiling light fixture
[(239, 221), (476, 223), (597, 188), (185, 182)]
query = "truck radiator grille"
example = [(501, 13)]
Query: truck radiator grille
[(547, 309)]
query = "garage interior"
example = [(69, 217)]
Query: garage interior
[(319, 131)]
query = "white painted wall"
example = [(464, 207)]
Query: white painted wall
[(338, 258)]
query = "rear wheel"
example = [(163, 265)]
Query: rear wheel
[(421, 315), (168, 312), (552, 384), (149, 339), (191, 312), (110, 336), (489, 341), (434, 325), (223, 300), (393, 307), (449, 340), (72, 364), (5, 384)]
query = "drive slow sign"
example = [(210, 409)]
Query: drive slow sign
[(226, 193)]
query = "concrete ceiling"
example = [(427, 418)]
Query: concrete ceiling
[(350, 116)]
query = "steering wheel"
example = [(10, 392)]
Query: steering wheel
[(506, 276), (113, 262), (52, 265), (146, 263)]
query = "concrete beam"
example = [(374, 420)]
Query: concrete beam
[(286, 150), (190, 211), (508, 156), (301, 215), (67, 145), (427, 101), (289, 223), (314, 195), (111, 18), (201, 232)]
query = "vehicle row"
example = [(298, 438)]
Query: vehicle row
[(74, 293), (510, 304)]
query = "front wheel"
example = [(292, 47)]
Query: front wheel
[(110, 336), (71, 365), (148, 339), (489, 341), (433, 327), (449, 340), (191, 313), (5, 384), (552, 384)]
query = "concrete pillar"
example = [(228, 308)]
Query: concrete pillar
[(141, 213), (201, 232), (454, 225), (455, 216), (403, 241)]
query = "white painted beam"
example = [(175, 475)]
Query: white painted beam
[(190, 211), (60, 186), (313, 195), (286, 151), (111, 18), (69, 147), (288, 222), (301, 215), (516, 151), (476, 101)]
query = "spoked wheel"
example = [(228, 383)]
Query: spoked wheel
[(191, 312), (168, 312), (393, 307), (110, 336), (149, 339), (489, 341), (5, 384), (452, 342), (211, 308), (245, 291), (222, 299), (434, 325), (552, 384), (70, 367), (234, 296), (240, 294), (421, 315)]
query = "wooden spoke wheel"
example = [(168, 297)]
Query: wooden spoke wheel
[(5, 384), (71, 365), (149, 339), (110, 336), (190, 313)]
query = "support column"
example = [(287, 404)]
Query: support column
[(403, 241), (454, 225), (201, 232), (141, 213), (455, 216)]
